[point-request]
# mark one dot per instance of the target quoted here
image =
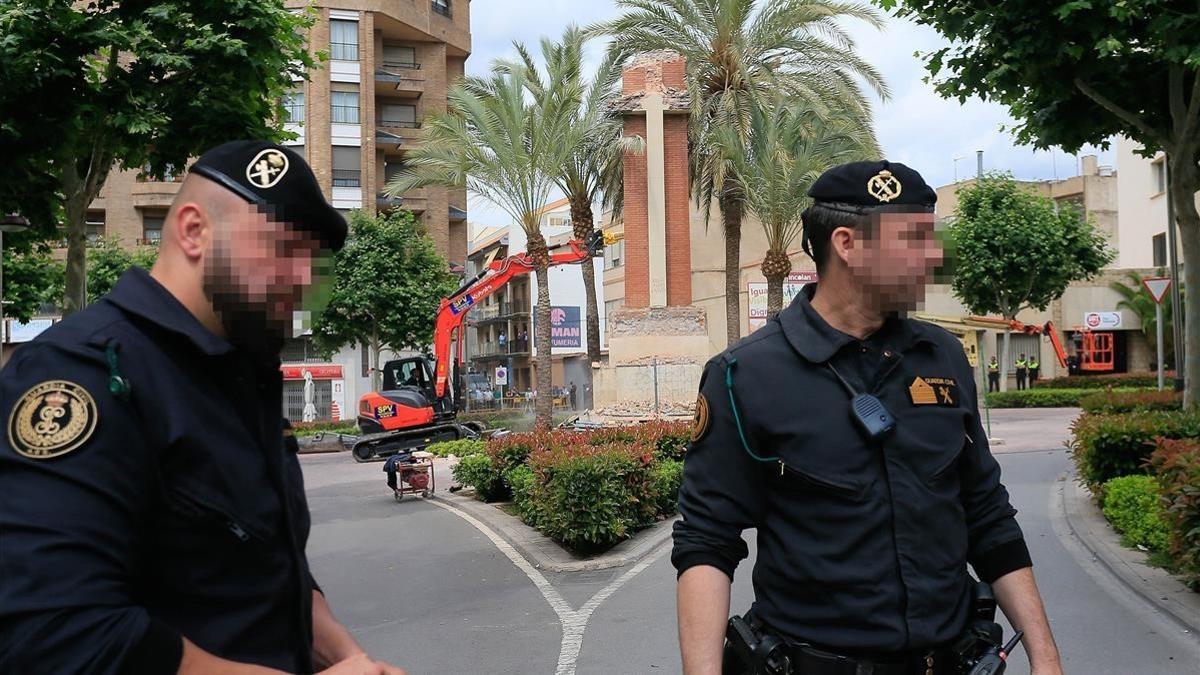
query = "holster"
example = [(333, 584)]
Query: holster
[(751, 650)]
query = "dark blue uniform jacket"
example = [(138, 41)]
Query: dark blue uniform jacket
[(181, 513), (860, 547)]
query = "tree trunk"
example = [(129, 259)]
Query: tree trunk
[(1185, 182), (1004, 359), (543, 406), (581, 224), (731, 214), (376, 376), (79, 191), (775, 267)]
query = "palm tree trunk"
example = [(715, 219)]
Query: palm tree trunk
[(731, 213), (1185, 182), (543, 406), (775, 267), (581, 223)]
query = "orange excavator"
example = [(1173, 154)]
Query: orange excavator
[(417, 405)]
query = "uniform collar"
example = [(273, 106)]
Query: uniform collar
[(139, 293), (814, 339)]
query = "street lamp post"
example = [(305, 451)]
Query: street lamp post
[(10, 223)]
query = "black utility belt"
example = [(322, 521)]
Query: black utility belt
[(809, 660)]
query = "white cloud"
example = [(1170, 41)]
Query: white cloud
[(915, 126)]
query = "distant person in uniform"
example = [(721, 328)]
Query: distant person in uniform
[(1022, 368), (993, 371), (152, 508), (1034, 366)]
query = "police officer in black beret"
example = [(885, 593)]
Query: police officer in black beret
[(151, 519), (850, 438)]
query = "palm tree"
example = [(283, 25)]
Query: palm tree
[(736, 52), (1135, 298), (594, 143), (502, 147), (788, 148)]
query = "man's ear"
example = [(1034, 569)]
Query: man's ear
[(841, 242), (192, 228)]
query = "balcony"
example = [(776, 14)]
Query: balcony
[(402, 77), (441, 7), (413, 200), (347, 178), (491, 350), (499, 310)]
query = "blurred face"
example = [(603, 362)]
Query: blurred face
[(258, 272), (897, 261)]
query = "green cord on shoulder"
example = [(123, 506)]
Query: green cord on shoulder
[(737, 418), (117, 384)]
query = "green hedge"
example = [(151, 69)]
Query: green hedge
[(1109, 402), (1131, 504), (313, 428), (1035, 398), (1101, 381), (587, 490), (1177, 464), (460, 448), (1109, 446)]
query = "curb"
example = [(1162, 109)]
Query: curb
[(546, 554), (1156, 586)]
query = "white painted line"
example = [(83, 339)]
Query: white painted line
[(574, 622)]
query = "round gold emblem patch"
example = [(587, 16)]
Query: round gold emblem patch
[(701, 420), (52, 419)]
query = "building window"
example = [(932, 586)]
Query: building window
[(441, 7), (293, 107), (347, 166), (556, 221), (152, 227), (1159, 246), (398, 115), (343, 40), (400, 57), (1159, 168), (94, 227), (345, 107), (614, 254)]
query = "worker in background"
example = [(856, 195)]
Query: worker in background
[(1033, 369), (993, 371), (1022, 372)]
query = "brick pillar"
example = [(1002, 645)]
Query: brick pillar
[(637, 234), (679, 237)]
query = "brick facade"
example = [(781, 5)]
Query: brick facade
[(441, 45), (637, 234)]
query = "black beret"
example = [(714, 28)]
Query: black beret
[(873, 185), (279, 180)]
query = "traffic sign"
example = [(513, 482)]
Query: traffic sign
[(1157, 286), (501, 376)]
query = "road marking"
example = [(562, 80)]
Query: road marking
[(574, 622)]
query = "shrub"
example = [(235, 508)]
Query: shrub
[(1177, 463), (593, 496), (1101, 381), (665, 477), (313, 428), (1035, 398), (1108, 446), (479, 472), (524, 483), (1128, 401), (462, 447), (1131, 504)]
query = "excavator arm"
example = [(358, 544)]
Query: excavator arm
[(453, 310)]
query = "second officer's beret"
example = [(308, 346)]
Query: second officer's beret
[(279, 181), (873, 185)]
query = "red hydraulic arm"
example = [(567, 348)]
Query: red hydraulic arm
[(1028, 329), (453, 310)]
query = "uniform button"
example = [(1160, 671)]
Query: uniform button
[(887, 355)]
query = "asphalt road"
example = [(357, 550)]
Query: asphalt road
[(425, 589)]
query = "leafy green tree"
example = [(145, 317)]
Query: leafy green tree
[(33, 282), (1017, 250), (88, 86), (506, 149), (788, 148), (1080, 72), (594, 140), (108, 260), (388, 282), (1135, 298), (737, 51)]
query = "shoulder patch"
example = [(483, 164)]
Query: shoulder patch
[(701, 421), (52, 419)]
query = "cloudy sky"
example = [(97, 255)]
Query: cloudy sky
[(915, 125)]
